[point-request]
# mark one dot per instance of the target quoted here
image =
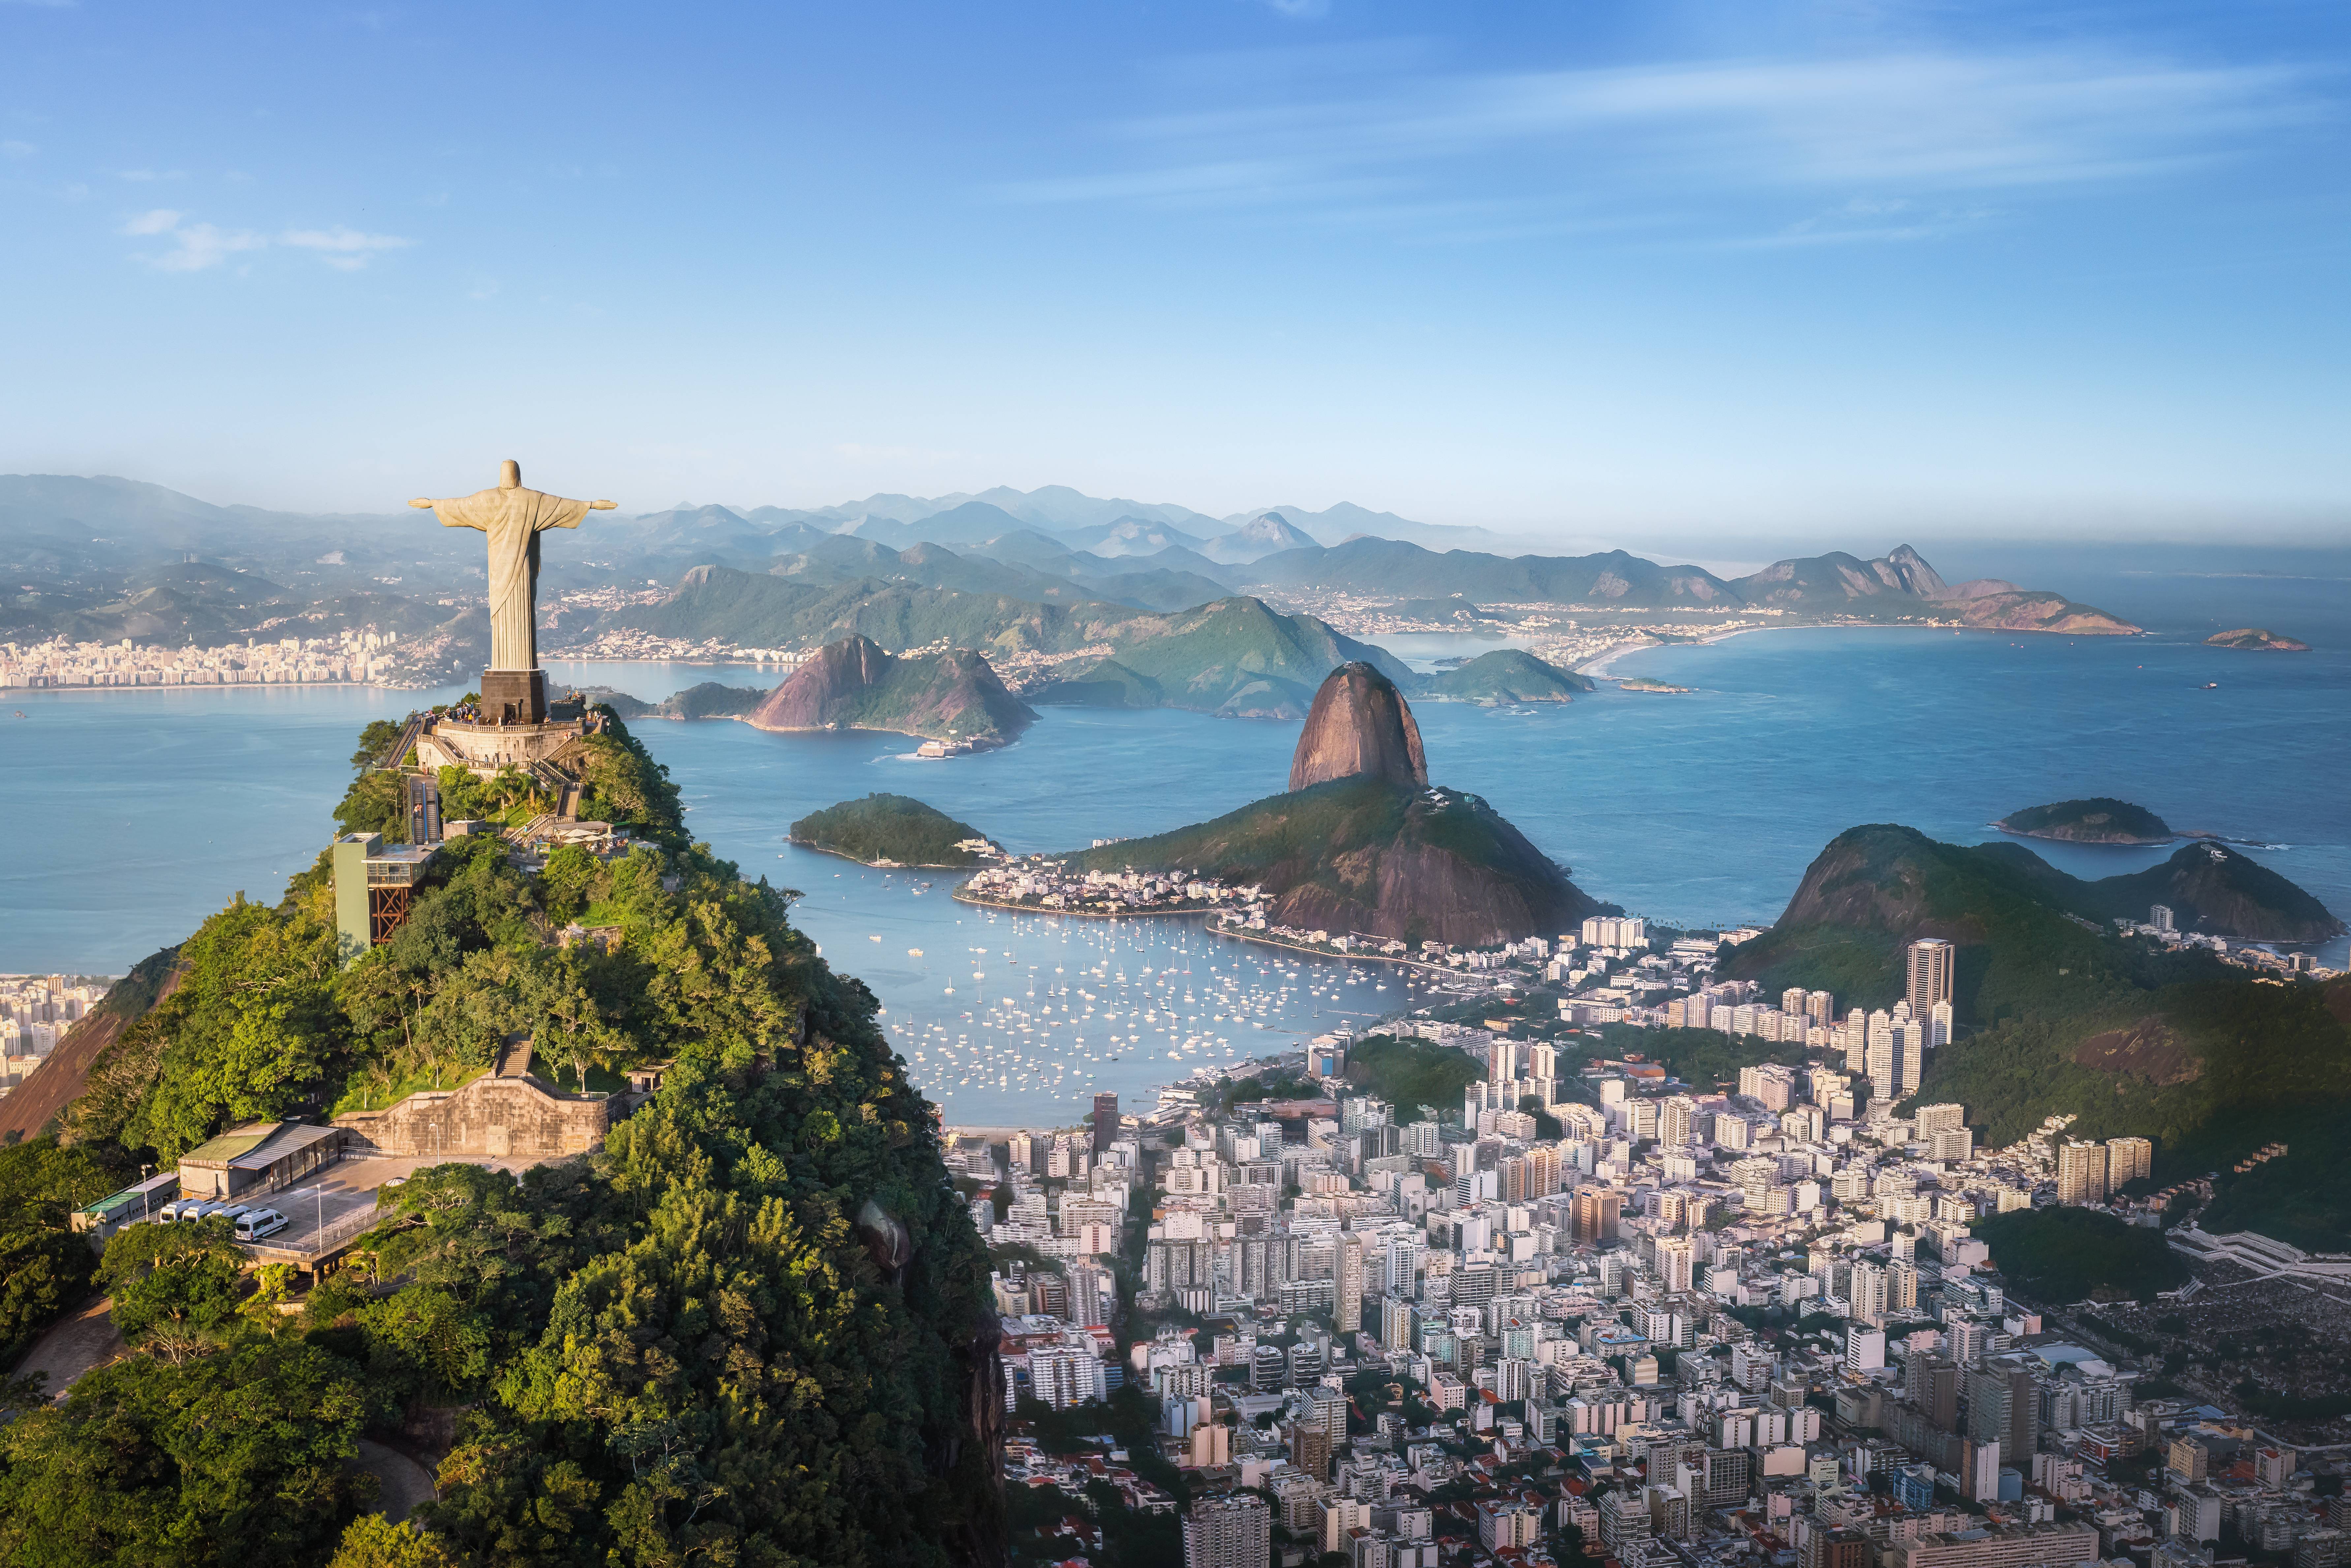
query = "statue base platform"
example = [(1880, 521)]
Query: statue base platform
[(518, 728), (514, 697)]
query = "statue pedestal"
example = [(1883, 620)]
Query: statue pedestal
[(514, 696)]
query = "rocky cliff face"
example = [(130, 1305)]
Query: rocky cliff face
[(855, 683), (829, 686), (1358, 726)]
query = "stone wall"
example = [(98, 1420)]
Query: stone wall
[(495, 1117)]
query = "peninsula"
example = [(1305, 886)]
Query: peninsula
[(2257, 640), (894, 831), (2101, 820), (1360, 845)]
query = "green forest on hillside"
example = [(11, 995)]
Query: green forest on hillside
[(896, 828), (1332, 843), (2057, 1015), (2059, 1256), (742, 1330), (1414, 1076)]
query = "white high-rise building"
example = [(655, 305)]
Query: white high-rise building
[(1933, 968), (1348, 1312), (1235, 1531), (2127, 1159), (1868, 1292), (2082, 1172), (1676, 1259), (1910, 1056)]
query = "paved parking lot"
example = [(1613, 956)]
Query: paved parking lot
[(345, 1190)]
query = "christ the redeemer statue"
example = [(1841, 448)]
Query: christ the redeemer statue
[(512, 517)]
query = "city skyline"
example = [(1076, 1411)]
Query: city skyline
[(1586, 278)]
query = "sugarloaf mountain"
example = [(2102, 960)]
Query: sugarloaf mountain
[(1362, 842)]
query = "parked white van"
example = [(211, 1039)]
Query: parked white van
[(256, 1223)]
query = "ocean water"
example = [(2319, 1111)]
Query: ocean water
[(135, 814)]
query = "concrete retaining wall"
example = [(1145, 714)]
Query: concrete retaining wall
[(499, 1118)]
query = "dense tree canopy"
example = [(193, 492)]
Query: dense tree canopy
[(753, 1328)]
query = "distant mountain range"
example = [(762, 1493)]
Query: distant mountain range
[(104, 558)]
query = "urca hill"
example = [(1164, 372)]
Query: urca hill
[(854, 683), (1362, 842)]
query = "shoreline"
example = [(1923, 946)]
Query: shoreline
[(1215, 929), (869, 865), (961, 897), (1598, 667)]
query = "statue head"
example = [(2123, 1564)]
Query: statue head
[(510, 475)]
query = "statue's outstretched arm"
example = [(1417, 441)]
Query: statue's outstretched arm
[(602, 506), (460, 521)]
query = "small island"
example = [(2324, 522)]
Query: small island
[(890, 831), (2258, 640), (2098, 820), (1643, 684), (1508, 676)]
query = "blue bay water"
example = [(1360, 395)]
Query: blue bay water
[(137, 813)]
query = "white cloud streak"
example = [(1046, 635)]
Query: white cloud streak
[(202, 245), (343, 248), (1597, 143), (199, 247)]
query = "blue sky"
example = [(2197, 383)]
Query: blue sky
[(1594, 271)]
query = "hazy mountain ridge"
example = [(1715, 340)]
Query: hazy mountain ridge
[(73, 544), (1235, 655)]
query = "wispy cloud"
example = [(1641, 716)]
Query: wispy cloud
[(145, 176), (196, 247), (1590, 144), (346, 248), (200, 245), (17, 151)]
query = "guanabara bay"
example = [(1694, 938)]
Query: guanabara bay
[(1268, 784)]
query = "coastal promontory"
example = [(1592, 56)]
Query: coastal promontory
[(2101, 820), (855, 683), (891, 830), (2257, 640), (1365, 844)]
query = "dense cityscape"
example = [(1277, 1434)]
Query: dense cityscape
[(36, 1011), (1595, 1312), (353, 656)]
